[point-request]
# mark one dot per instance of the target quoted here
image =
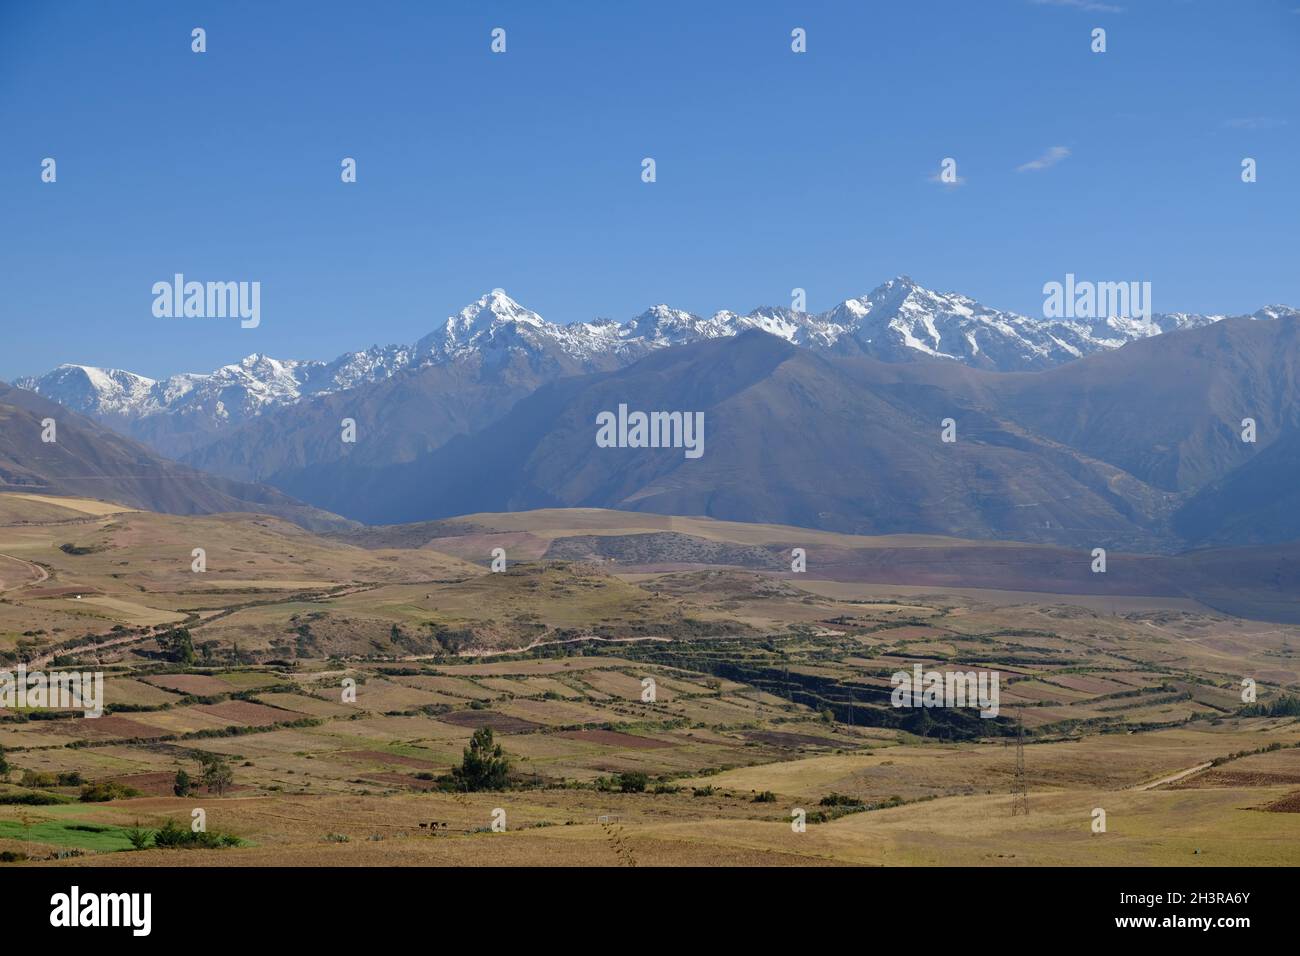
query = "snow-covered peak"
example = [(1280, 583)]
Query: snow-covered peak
[(495, 307), (660, 326), (91, 390), (898, 320), (478, 322)]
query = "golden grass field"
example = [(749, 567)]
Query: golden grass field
[(771, 696)]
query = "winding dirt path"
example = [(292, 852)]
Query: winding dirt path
[(540, 643), (194, 623), (1174, 777), (41, 574)]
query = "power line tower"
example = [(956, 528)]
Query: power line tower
[(1019, 791)]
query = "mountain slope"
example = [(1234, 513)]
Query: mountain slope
[(790, 438), (90, 460), (1100, 452), (1258, 503), (298, 448), (1170, 410)]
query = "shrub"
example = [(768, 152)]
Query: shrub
[(632, 781), (839, 800), (103, 792), (170, 835), (36, 798), (139, 836), (1283, 706), (173, 836)]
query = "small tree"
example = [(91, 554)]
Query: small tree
[(484, 765), (217, 774), (183, 785), (138, 836), (4, 765)]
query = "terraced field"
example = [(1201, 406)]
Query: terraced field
[(342, 689)]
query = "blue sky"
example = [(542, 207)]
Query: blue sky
[(522, 170)]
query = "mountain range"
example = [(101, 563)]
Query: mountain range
[(897, 321), (1123, 449), (1115, 433)]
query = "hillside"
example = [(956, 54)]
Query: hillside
[(88, 459)]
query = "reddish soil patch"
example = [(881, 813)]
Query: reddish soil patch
[(150, 784), (61, 592), (500, 723), (777, 739), (613, 738), (112, 726), (160, 784), (1233, 778), (247, 712), (1288, 804), (378, 756), (198, 684), (401, 780)]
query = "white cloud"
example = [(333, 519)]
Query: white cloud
[(1050, 158)]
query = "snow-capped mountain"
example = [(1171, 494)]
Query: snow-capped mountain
[(96, 391), (900, 319), (232, 393), (496, 323), (897, 321)]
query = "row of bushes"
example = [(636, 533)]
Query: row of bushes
[(172, 836)]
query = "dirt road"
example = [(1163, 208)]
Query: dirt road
[(1173, 777), (40, 572)]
